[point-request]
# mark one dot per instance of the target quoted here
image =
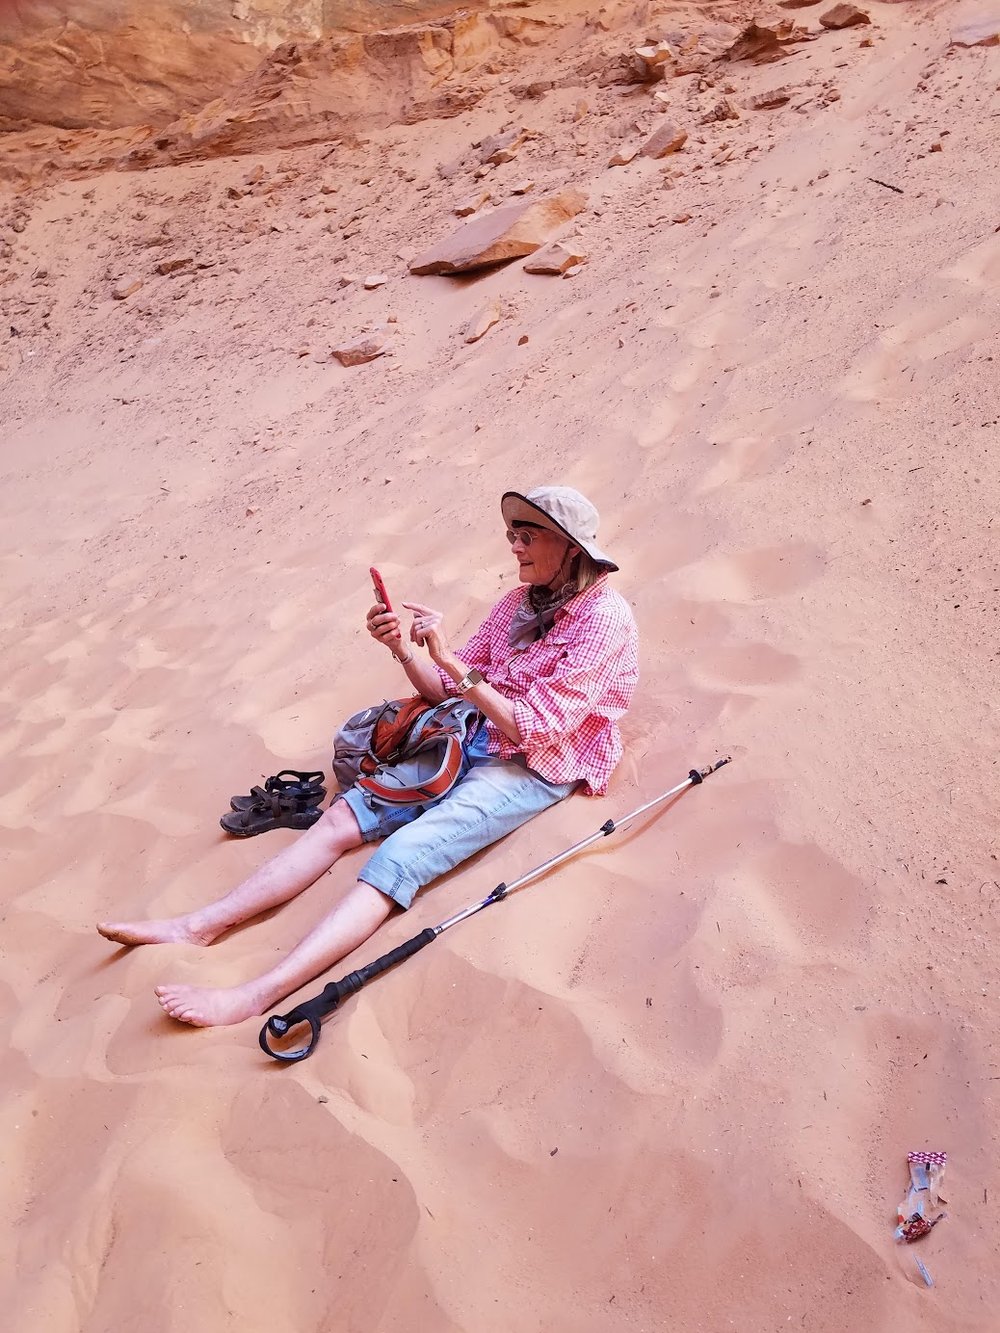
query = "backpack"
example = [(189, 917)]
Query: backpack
[(405, 751)]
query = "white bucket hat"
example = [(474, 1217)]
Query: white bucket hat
[(560, 509)]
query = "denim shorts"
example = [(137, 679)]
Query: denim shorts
[(423, 842)]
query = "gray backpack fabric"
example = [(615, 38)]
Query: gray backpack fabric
[(405, 751)]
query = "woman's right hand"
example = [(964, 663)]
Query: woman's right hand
[(383, 626)]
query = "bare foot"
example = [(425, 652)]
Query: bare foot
[(206, 1007), (173, 930)]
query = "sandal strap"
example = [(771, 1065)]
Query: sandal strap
[(291, 777)]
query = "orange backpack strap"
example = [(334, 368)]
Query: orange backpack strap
[(405, 751), (430, 789), (389, 736)]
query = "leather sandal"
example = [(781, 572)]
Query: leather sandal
[(271, 810), (289, 782)]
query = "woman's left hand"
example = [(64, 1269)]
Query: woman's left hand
[(427, 630)]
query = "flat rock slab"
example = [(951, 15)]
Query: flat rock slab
[(126, 288), (505, 233), (772, 98), (555, 258), (843, 16), (359, 350), (175, 265), (666, 138)]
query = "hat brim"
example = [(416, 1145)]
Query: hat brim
[(517, 508)]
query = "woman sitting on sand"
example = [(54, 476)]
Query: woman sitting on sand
[(551, 669)]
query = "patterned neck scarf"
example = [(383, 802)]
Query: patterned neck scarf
[(536, 615)]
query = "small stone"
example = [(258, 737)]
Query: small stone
[(723, 110), (681, 217), (482, 322), (252, 177), (623, 156), (498, 148), (555, 258), (175, 265), (392, 318), (523, 187), (581, 110), (348, 279), (666, 138), (359, 350), (843, 16), (233, 193), (937, 147), (473, 204), (573, 270), (772, 98), (650, 62), (522, 340), (375, 280), (126, 288)]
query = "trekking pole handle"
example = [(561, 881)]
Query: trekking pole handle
[(314, 1011)]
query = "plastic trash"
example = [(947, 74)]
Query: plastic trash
[(922, 1269), (914, 1214)]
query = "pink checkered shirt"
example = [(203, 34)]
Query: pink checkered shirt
[(568, 689)]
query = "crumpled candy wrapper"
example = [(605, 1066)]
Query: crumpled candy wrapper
[(922, 1198)]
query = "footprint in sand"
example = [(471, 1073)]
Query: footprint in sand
[(746, 664), (813, 896), (771, 571), (928, 325), (741, 458)]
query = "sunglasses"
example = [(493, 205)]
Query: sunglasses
[(525, 535)]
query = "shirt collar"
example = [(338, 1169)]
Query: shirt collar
[(577, 602)]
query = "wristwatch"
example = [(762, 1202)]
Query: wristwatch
[(470, 679)]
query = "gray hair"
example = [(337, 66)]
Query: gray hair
[(586, 572)]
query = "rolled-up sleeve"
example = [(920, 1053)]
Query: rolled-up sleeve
[(597, 673)]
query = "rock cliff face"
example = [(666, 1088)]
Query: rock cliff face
[(113, 63), (240, 96)]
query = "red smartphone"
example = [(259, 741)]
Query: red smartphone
[(379, 588)]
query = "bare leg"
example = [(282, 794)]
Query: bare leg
[(349, 924), (277, 880)]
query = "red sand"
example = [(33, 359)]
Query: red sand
[(672, 1087)]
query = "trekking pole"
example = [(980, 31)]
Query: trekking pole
[(315, 1010)]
